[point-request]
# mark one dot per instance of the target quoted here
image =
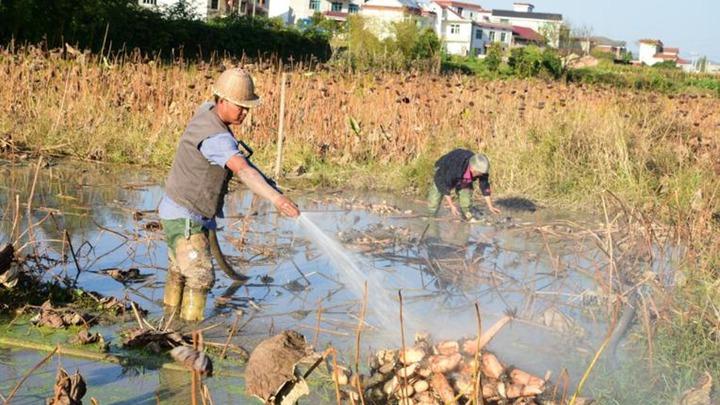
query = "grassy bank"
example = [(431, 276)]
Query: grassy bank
[(555, 142)]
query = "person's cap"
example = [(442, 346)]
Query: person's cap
[(479, 163), (236, 86)]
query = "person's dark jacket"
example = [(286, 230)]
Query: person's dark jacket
[(451, 167)]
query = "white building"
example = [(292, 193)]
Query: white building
[(523, 15), (653, 51), (454, 31), (380, 15), (204, 9), (291, 11), (470, 11), (486, 33)]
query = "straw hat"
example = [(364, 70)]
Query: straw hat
[(236, 86)]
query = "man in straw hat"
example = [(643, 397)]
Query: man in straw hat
[(207, 157), (457, 170)]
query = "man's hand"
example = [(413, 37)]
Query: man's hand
[(286, 206)]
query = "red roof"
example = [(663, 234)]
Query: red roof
[(336, 15), (682, 61), (665, 56), (671, 50), (527, 34)]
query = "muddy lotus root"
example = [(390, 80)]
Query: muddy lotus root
[(446, 373), (271, 373)]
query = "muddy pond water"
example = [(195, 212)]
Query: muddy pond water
[(541, 264)]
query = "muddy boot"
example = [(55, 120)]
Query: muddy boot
[(174, 284), (193, 304)]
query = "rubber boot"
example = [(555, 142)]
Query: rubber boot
[(174, 284), (193, 304)]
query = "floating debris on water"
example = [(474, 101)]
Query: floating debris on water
[(69, 389)]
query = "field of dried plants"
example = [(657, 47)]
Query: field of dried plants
[(549, 141)]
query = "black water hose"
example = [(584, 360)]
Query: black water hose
[(217, 254), (623, 324)]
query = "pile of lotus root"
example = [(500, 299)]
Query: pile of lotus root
[(444, 374)]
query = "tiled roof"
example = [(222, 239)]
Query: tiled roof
[(665, 56), (528, 34), (533, 15)]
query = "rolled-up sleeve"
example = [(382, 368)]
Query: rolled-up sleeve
[(218, 149)]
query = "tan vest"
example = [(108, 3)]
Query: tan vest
[(193, 182)]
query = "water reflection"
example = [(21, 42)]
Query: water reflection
[(443, 267)]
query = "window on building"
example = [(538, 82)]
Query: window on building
[(315, 5), (503, 36), (504, 21), (454, 28), (460, 10), (150, 2), (214, 4), (478, 34), (353, 8), (336, 6), (491, 36)]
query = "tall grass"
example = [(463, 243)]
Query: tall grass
[(556, 142)]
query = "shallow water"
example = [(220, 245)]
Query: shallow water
[(443, 267)]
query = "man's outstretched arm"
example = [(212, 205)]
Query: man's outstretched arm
[(257, 184)]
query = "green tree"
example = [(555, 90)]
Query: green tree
[(494, 56), (427, 46)]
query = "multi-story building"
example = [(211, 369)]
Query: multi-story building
[(653, 51), (293, 11), (467, 29), (382, 13), (204, 9), (549, 25)]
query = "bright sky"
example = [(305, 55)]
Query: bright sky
[(691, 25)]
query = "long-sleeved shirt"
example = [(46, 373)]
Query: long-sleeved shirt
[(452, 173)]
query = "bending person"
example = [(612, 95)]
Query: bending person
[(458, 170)]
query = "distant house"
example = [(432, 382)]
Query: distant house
[(466, 29), (204, 9), (382, 13), (653, 51), (487, 33), (470, 11), (454, 31), (292, 11), (524, 15), (523, 36), (586, 45)]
